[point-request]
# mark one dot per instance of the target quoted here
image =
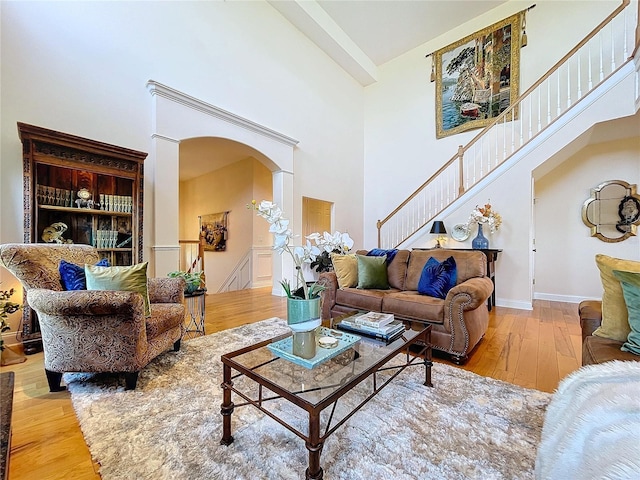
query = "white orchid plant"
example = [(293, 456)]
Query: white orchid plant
[(307, 253)]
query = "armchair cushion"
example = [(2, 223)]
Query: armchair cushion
[(615, 319), (120, 278), (631, 290), (72, 276)]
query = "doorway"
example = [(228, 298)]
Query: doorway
[(316, 216)]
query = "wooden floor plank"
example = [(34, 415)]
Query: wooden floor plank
[(533, 349)]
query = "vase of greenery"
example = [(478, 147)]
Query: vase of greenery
[(193, 281)]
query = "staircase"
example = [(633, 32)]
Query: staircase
[(601, 62)]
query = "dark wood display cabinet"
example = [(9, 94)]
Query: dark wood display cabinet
[(78, 190)]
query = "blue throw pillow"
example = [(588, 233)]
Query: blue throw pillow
[(438, 278), (72, 276), (379, 252)]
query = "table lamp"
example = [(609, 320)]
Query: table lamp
[(438, 228)]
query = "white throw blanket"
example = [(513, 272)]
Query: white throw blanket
[(592, 425)]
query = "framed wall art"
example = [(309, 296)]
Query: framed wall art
[(477, 77), (214, 230)]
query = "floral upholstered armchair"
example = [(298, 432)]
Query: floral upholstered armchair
[(94, 330)]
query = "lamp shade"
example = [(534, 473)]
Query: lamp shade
[(438, 227)]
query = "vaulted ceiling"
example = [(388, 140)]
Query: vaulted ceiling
[(361, 35)]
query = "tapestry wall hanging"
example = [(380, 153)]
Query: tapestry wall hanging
[(213, 228), (477, 77)]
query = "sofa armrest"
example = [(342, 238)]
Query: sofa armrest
[(329, 281), (590, 312), (166, 290), (85, 302), (477, 289)]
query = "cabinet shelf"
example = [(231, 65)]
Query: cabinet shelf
[(56, 166), (86, 211)]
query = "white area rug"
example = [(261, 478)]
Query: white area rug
[(466, 427)]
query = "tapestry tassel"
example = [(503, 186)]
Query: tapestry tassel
[(433, 72), (523, 41)]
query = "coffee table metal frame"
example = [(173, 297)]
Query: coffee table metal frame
[(315, 439)]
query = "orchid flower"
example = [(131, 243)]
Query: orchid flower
[(282, 235)]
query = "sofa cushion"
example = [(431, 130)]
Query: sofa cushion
[(127, 278), (372, 272), (381, 252), (72, 276), (346, 268), (396, 268), (412, 305), (631, 290), (600, 350), (358, 299), (438, 277), (615, 322), (470, 264)]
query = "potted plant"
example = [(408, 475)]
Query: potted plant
[(7, 356), (303, 301), (193, 280)]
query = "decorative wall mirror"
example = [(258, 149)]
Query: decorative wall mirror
[(613, 211)]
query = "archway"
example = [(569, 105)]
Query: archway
[(177, 116)]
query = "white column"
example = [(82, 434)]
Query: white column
[(283, 266), (165, 249)]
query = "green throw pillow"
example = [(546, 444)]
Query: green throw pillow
[(372, 272), (121, 278), (631, 290)]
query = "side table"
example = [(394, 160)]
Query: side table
[(194, 320)]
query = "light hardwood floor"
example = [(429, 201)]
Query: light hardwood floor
[(534, 349)]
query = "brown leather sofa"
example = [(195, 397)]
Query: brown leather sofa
[(598, 349), (458, 322)]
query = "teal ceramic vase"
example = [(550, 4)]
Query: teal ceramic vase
[(303, 317), (301, 311)]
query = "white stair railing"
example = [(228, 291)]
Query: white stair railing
[(590, 63)]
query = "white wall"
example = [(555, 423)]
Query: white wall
[(82, 68), (565, 265)]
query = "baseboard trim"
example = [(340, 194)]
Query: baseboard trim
[(514, 304), (552, 297)]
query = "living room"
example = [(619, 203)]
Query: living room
[(64, 68)]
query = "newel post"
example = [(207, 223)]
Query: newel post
[(460, 172)]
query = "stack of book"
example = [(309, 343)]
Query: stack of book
[(382, 326)]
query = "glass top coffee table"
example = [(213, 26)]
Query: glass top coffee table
[(262, 379)]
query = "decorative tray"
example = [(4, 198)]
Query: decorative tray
[(284, 348)]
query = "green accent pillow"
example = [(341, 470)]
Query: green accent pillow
[(372, 272), (631, 290), (121, 278)]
